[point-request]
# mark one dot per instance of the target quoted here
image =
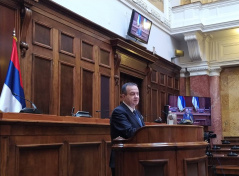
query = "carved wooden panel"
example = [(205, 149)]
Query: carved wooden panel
[(67, 43), (41, 82), (196, 166), (66, 88), (170, 82), (162, 79), (30, 157), (176, 84), (81, 155), (104, 57), (105, 97), (154, 167), (132, 63), (87, 51), (8, 23), (87, 91), (154, 105), (163, 100), (154, 76), (42, 34)]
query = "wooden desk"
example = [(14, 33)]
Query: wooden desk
[(171, 150), (37, 145), (203, 119)]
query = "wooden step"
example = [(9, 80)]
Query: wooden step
[(227, 169), (222, 159)]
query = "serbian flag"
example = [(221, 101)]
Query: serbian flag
[(195, 102), (13, 85), (181, 103)]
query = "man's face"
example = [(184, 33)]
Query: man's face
[(132, 96)]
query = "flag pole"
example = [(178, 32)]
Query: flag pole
[(14, 34)]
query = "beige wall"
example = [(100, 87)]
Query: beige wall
[(229, 81)]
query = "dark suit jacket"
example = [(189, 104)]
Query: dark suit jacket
[(123, 123)]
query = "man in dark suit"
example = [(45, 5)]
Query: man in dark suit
[(125, 119)]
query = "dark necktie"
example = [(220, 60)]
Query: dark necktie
[(137, 117)]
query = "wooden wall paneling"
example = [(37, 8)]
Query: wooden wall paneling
[(68, 81), (105, 73), (54, 107), (90, 72), (26, 16), (10, 19), (154, 76), (105, 57), (170, 82), (87, 51), (42, 34), (162, 80), (87, 90), (163, 101), (42, 82), (39, 160), (176, 84), (78, 87), (67, 44), (84, 159), (154, 105), (133, 65), (97, 81), (105, 97), (41, 66), (67, 87)]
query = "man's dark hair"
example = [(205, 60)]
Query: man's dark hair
[(123, 89)]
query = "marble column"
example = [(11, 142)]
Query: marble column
[(183, 86), (205, 82), (216, 120), (199, 86)]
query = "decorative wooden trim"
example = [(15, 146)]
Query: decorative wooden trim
[(117, 60), (148, 71), (133, 50), (155, 163), (36, 146), (106, 50), (73, 44), (34, 35), (84, 58), (26, 14), (196, 160)]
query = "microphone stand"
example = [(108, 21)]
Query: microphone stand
[(33, 110)]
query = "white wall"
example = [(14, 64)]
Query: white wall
[(114, 15)]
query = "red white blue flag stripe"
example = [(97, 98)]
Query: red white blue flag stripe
[(181, 103), (195, 102), (13, 84)]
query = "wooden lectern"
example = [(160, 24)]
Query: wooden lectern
[(162, 150)]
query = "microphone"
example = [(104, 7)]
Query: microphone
[(165, 113), (80, 113), (33, 110), (102, 111)]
